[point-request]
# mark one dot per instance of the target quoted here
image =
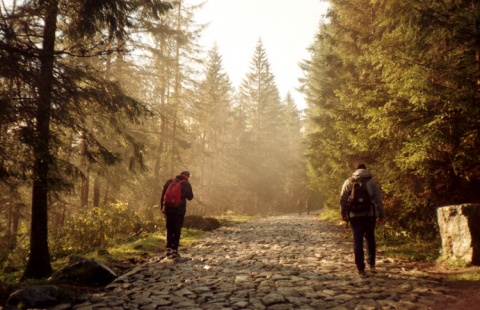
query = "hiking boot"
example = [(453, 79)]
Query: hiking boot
[(362, 274), (168, 252), (373, 269), (175, 254)]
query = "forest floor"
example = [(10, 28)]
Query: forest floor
[(463, 281)]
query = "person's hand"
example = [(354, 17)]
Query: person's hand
[(344, 218), (381, 221)]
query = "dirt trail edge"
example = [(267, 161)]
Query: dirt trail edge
[(284, 262)]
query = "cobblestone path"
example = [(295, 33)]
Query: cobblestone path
[(286, 262)]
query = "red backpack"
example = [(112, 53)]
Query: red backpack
[(173, 195)]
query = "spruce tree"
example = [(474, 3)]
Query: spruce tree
[(213, 134), (64, 93), (260, 100)]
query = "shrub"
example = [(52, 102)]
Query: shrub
[(95, 228)]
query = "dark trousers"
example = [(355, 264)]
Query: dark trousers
[(363, 227), (174, 223)]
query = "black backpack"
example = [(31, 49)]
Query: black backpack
[(359, 200)]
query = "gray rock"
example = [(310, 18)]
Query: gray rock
[(87, 272), (460, 232), (273, 299), (42, 296), (201, 223)]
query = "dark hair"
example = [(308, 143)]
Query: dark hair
[(361, 166), (185, 172)]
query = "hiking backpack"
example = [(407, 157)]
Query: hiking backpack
[(173, 195), (359, 200)]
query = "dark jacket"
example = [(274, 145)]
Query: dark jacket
[(372, 188), (187, 194)]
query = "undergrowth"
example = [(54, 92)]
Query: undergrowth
[(397, 243), (130, 251)]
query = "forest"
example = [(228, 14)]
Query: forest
[(101, 102)]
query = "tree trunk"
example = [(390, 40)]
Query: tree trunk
[(85, 185), (476, 30), (160, 93), (15, 224), (96, 192), (38, 265), (157, 182), (176, 102), (105, 197)]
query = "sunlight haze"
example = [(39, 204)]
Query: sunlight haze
[(286, 28)]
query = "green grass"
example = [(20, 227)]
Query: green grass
[(151, 243), (406, 248), (329, 215), (465, 276)]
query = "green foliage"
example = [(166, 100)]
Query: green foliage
[(151, 243), (466, 276), (411, 243), (394, 84), (413, 250), (130, 107), (330, 214), (94, 228)]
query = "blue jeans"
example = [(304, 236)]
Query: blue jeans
[(363, 227)]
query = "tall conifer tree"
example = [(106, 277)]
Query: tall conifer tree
[(63, 94), (213, 131), (260, 100)]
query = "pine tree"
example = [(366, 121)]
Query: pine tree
[(260, 100), (213, 130), (394, 84), (294, 177), (435, 74), (65, 94)]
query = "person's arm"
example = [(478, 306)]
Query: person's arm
[(346, 188), (378, 200), (187, 190)]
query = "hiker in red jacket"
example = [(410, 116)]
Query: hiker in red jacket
[(174, 209)]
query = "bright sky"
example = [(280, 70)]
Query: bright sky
[(286, 27)]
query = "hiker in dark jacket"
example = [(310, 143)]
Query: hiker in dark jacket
[(363, 224), (175, 214)]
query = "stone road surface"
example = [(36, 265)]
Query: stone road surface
[(285, 262)]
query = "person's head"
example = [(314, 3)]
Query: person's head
[(361, 166), (185, 173)]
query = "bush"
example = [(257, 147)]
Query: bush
[(95, 228)]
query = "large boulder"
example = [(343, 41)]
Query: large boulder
[(201, 223), (33, 297), (460, 232), (90, 272)]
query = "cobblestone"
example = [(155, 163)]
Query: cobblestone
[(284, 262)]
